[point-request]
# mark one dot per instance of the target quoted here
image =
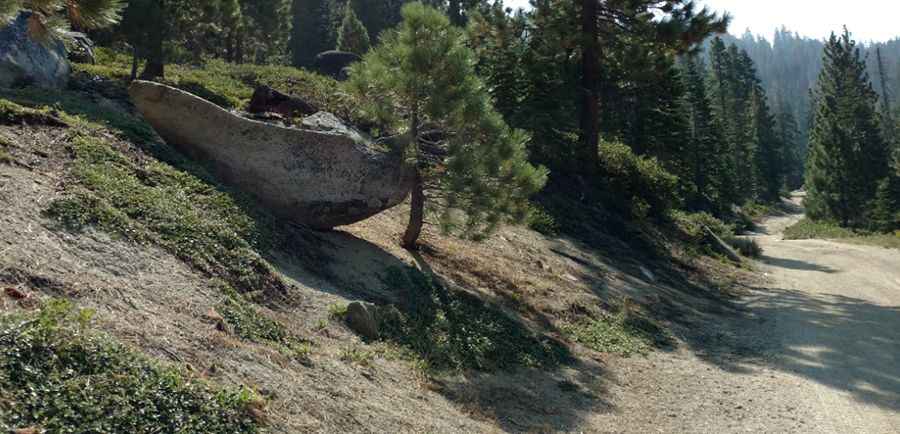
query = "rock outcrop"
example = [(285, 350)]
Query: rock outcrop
[(362, 318), (320, 179), (24, 60)]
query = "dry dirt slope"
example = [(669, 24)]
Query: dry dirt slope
[(147, 298), (720, 372)]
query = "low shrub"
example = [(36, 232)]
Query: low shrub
[(58, 375), (623, 333), (691, 225), (542, 221)]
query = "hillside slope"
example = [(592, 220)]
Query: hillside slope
[(522, 332)]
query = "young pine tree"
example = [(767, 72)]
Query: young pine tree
[(848, 156), (421, 78), (885, 214), (352, 35)]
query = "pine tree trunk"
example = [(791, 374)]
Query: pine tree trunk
[(417, 201), (135, 60), (590, 103), (416, 214), (155, 66)]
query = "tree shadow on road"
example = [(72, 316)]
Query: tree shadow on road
[(844, 343), (794, 264)]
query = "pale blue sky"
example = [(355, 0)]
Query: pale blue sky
[(869, 20)]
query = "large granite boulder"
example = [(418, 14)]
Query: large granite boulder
[(24, 60), (320, 178)]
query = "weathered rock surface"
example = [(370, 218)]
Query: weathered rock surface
[(362, 319), (26, 61), (321, 179), (80, 47), (335, 63)]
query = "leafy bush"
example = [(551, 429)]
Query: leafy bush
[(542, 221), (636, 185), (57, 375)]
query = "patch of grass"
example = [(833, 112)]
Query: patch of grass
[(57, 375), (231, 86), (77, 108), (337, 310), (5, 157), (13, 113), (357, 356), (150, 201), (890, 241), (622, 334), (451, 330), (808, 229), (250, 324)]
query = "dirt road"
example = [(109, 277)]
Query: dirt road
[(837, 316), (813, 348)]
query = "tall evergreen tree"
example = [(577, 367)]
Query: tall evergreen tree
[(352, 35), (769, 150), (848, 156), (309, 34), (705, 160), (422, 74), (681, 27), (794, 151), (721, 88)]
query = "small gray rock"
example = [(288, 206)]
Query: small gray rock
[(26, 61), (362, 319)]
